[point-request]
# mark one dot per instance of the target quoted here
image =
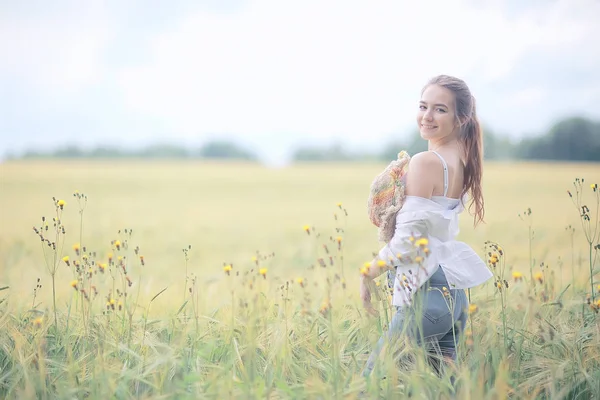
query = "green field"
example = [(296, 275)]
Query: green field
[(190, 347)]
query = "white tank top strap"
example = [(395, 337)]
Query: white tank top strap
[(445, 171)]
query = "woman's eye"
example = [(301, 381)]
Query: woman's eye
[(422, 107), (441, 110)]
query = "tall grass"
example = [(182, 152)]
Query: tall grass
[(291, 335)]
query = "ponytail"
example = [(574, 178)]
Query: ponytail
[(472, 139)]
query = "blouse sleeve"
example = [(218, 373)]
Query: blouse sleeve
[(409, 241)]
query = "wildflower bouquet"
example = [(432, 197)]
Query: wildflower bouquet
[(386, 199), (387, 196)]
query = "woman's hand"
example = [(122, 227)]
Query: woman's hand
[(365, 295)]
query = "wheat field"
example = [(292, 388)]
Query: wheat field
[(199, 280)]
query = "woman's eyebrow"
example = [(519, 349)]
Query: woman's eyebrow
[(437, 104)]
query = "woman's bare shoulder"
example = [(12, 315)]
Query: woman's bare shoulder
[(424, 162), (423, 169)]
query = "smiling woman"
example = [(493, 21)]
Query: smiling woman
[(423, 255)]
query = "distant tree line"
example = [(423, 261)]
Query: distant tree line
[(210, 150), (571, 139)]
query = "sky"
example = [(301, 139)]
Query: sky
[(272, 75)]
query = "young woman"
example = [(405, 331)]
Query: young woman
[(430, 268)]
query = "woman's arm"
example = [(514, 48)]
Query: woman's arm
[(423, 169)]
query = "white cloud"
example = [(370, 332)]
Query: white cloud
[(564, 26), (335, 68), (53, 51), (277, 71), (528, 96)]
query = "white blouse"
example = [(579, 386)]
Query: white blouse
[(436, 221)]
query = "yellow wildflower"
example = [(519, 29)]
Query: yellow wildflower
[(539, 277), (517, 276), (418, 259), (494, 259), (38, 322), (339, 242), (472, 308), (263, 272), (377, 283), (300, 281), (381, 263), (74, 284), (117, 244), (339, 204), (364, 271), (66, 260), (76, 247), (422, 242), (594, 186), (61, 204), (306, 228), (324, 307), (595, 305), (227, 269)]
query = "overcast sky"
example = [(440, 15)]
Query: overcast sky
[(273, 74)]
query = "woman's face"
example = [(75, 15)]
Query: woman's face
[(436, 118)]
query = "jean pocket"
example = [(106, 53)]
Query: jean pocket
[(437, 307)]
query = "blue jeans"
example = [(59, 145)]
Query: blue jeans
[(435, 318)]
